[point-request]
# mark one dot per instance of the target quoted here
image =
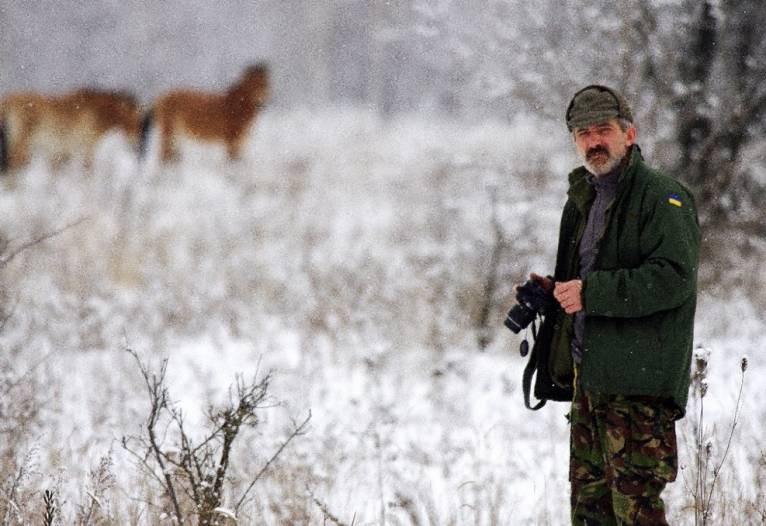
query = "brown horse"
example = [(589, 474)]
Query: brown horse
[(60, 128), (212, 117)]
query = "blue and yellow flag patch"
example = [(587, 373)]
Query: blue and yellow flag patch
[(675, 200)]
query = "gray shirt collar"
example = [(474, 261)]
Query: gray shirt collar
[(606, 182)]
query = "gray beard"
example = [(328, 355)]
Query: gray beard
[(603, 169)]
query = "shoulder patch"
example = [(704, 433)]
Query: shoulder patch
[(675, 199)]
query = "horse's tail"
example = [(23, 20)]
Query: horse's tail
[(3, 145), (143, 133)]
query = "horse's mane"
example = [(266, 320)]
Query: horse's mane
[(254, 79)]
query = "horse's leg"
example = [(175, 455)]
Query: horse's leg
[(234, 147), (89, 154), (18, 147), (167, 145)]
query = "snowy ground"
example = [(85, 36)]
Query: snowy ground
[(347, 255)]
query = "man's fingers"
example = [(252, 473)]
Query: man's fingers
[(568, 295), (561, 293)]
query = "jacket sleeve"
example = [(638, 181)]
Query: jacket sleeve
[(566, 243), (669, 242)]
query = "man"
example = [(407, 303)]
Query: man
[(625, 280)]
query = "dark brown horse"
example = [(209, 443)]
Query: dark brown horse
[(59, 128), (212, 117)]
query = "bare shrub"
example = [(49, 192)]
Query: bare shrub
[(193, 474)]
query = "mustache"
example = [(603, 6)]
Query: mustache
[(595, 151)]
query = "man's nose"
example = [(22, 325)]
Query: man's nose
[(594, 140)]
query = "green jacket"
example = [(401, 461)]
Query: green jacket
[(640, 298)]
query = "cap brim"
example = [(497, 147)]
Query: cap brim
[(584, 119)]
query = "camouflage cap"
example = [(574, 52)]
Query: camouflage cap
[(594, 104)]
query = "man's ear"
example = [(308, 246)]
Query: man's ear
[(630, 137)]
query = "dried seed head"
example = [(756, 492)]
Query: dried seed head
[(743, 364), (701, 358)]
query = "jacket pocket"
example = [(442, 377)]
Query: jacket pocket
[(622, 355)]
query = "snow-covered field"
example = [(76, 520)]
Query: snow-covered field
[(349, 256)]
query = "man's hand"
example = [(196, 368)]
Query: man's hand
[(569, 295)]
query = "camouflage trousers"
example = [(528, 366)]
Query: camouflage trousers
[(623, 453)]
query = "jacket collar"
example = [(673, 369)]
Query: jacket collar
[(581, 192)]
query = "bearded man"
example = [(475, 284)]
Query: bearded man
[(625, 282)]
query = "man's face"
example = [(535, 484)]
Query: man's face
[(602, 146)]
